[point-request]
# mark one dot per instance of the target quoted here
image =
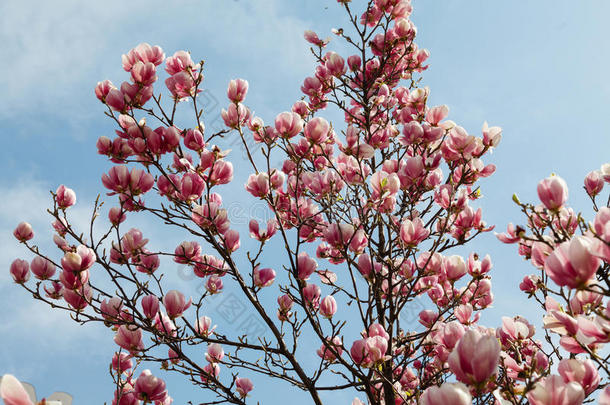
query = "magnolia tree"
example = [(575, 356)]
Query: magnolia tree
[(368, 215)]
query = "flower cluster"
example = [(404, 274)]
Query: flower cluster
[(369, 216)]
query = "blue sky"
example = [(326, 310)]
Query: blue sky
[(537, 69)]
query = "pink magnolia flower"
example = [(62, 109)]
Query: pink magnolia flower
[(115, 99), (42, 268), (194, 140), (317, 130), (437, 114), (378, 330), (358, 241), (560, 322), (475, 358), (65, 197), (237, 90), (214, 353), (262, 234), (183, 84), (143, 53), (454, 267), (530, 283), (203, 326), (583, 372), (12, 392), (258, 184), (23, 232), (354, 62), (448, 393), (306, 266), (553, 192), (335, 64), (325, 353), (277, 179), (221, 172), (604, 397), (411, 171), (311, 295), (552, 390), (263, 277), (582, 301), (449, 335), (511, 235), (312, 38), (338, 235), (54, 290), (301, 108), (459, 144), (384, 184), (121, 362), (214, 284), (412, 232), (20, 271), (594, 183), (515, 328), (211, 370), (358, 352), (165, 325), (102, 89), (120, 180), (149, 388), (211, 215), (376, 348), (427, 317), (80, 260), (140, 181), (191, 186), (367, 267), (235, 116), (539, 252), (144, 73), (175, 303), (116, 215), (572, 263), (173, 357), (596, 330), (147, 262), (150, 306), (79, 297), (210, 265), (231, 240), (187, 252), (180, 62), (111, 308), (464, 312), (285, 304), (243, 386), (328, 306), (601, 224), (134, 96), (127, 396), (605, 172), (491, 136), (129, 338), (476, 267)]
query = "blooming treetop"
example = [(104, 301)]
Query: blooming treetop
[(369, 212)]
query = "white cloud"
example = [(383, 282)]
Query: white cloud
[(28, 201), (55, 52), (37, 340)]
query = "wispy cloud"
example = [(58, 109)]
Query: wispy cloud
[(37, 340), (56, 51)]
